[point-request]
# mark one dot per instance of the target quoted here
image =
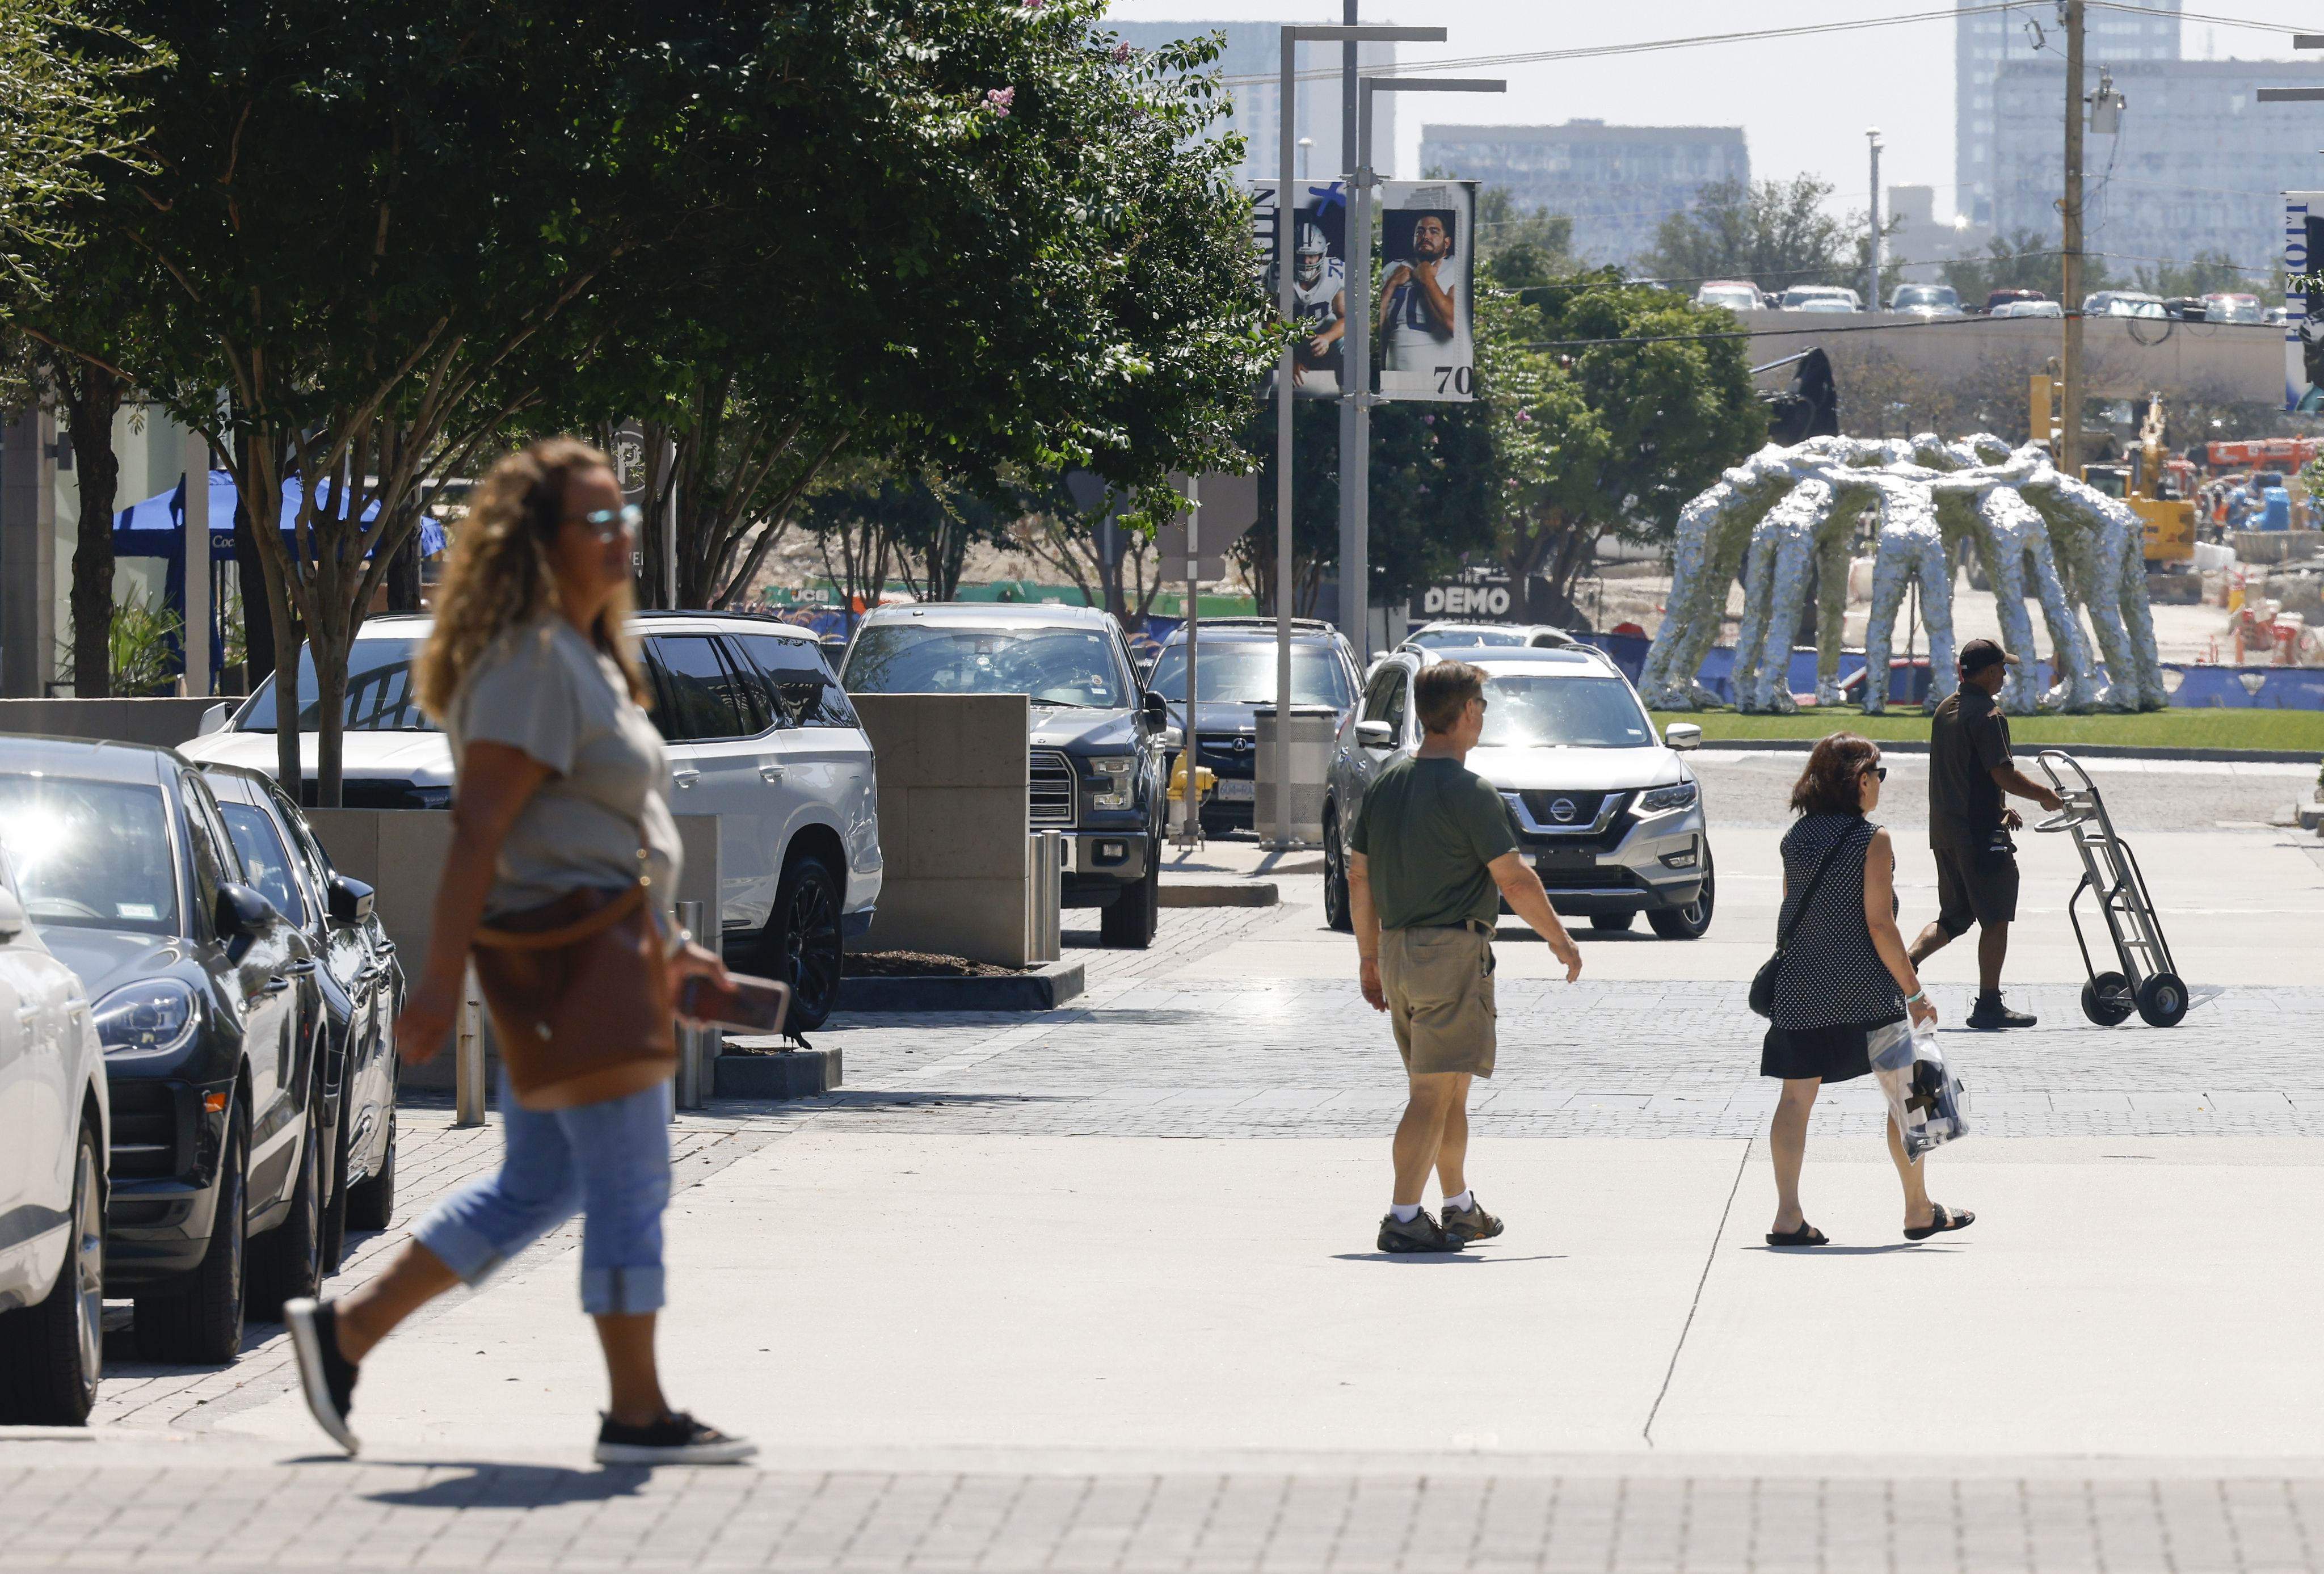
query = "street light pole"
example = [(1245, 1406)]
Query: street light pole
[(1356, 455), (1872, 251), (2070, 433), (1286, 209)]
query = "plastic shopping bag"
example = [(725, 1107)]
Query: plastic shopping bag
[(1925, 1098)]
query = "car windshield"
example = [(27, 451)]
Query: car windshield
[(1050, 667), (1926, 295), (1738, 300), (1242, 673), (1448, 638), (90, 855), (380, 695), (1525, 711), (2124, 306)]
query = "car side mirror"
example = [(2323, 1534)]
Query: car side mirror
[(1375, 735), (214, 720), (351, 900), (1153, 708), (241, 915), (1681, 735), (13, 920)]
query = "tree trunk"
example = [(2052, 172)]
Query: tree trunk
[(91, 397), (403, 576), (257, 606)]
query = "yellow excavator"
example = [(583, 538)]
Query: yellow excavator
[(2170, 521)]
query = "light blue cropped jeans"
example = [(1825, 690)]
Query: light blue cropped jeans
[(608, 1162)]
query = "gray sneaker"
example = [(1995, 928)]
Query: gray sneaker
[(1419, 1233), (1470, 1223)]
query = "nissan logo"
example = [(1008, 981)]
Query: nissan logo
[(1561, 811)]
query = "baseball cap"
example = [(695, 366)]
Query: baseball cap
[(1979, 654)]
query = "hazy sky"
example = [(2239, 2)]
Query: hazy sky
[(1804, 103)]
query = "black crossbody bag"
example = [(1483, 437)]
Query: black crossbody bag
[(1763, 982)]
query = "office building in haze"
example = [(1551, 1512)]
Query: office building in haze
[(1617, 182)]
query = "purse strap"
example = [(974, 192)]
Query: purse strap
[(1784, 934)]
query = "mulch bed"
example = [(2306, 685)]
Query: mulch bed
[(919, 964)]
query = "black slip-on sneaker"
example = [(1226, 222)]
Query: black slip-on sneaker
[(677, 1438), (327, 1377), (1470, 1223), (1418, 1233), (1989, 1014)]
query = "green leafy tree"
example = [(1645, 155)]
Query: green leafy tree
[(2025, 259), (1774, 233)]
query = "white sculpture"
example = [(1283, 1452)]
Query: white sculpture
[(1795, 509)]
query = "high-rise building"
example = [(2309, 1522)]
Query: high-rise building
[(1987, 41), (1252, 68), (1617, 182), (2195, 169)]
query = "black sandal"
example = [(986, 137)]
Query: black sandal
[(1946, 1219), (1805, 1235)]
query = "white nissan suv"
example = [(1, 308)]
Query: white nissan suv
[(1609, 816), (758, 733)]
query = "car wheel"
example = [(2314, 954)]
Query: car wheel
[(1129, 921), (52, 1354), (1612, 923), (804, 940), (1337, 914), (203, 1320), (371, 1202), (1693, 920), (287, 1261)]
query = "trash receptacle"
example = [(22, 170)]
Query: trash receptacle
[(1304, 746)]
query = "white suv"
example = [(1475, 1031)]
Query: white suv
[(760, 733)]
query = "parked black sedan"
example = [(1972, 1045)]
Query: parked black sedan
[(362, 986), (1234, 673), (210, 1015)]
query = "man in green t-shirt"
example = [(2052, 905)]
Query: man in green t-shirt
[(1430, 859)]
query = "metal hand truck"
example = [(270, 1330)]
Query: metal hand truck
[(2149, 982)]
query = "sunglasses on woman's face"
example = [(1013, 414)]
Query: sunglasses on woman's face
[(610, 524), (1880, 772)]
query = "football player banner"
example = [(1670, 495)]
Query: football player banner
[(1318, 279), (1425, 327), (2303, 267)]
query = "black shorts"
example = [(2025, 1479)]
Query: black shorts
[(1975, 884)]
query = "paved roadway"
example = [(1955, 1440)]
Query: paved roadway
[(1095, 1289)]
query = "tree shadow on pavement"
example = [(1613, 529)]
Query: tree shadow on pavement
[(519, 1487)]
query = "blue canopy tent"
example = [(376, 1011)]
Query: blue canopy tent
[(156, 528)]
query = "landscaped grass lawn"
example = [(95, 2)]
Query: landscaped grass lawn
[(2173, 729)]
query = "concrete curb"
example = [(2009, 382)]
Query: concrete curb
[(2027, 751), (793, 1074), (1041, 988), (1221, 893)]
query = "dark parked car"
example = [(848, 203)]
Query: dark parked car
[(209, 1010), (363, 989), (1235, 670), (1097, 739), (1995, 300)]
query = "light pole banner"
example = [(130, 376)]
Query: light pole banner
[(2303, 334), (1319, 278), (1426, 328)]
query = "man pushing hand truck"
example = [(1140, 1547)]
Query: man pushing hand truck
[(1430, 857)]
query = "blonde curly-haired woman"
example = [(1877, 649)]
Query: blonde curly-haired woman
[(563, 859)]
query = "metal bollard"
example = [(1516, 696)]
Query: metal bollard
[(468, 1055), (1044, 927), (690, 1079)]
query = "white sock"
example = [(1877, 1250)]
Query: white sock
[(1405, 1212), (1464, 1201)]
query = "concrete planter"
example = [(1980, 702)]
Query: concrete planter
[(1040, 989), (797, 1074)]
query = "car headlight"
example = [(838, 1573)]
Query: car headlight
[(1117, 771), (1661, 800), (149, 1017)]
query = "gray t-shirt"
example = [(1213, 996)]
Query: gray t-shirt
[(544, 689)]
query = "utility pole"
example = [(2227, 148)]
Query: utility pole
[(1872, 253), (2070, 435), (1354, 601)]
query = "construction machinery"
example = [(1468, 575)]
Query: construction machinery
[(2169, 521)]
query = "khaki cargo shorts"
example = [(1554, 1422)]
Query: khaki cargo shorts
[(1440, 998)]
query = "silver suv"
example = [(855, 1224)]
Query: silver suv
[(1609, 815)]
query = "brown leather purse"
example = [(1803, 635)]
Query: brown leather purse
[(580, 993)]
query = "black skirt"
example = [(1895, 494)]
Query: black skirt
[(1836, 1054)]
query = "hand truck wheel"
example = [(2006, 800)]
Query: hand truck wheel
[(2162, 1000), (2107, 1000)]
